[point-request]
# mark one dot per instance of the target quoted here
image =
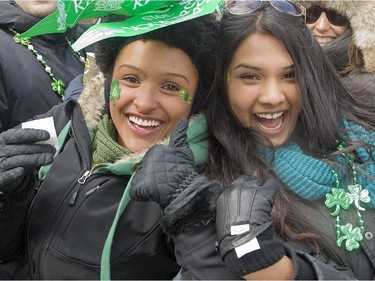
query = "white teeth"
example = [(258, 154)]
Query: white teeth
[(324, 40), (144, 123), (269, 115)]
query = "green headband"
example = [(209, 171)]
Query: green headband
[(144, 16)]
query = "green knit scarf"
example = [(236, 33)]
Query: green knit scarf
[(106, 149)]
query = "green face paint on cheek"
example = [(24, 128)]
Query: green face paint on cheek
[(185, 96), (229, 77), (115, 92)]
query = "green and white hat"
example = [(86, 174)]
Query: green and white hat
[(143, 16)]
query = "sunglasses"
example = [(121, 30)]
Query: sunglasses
[(313, 14), (243, 7)]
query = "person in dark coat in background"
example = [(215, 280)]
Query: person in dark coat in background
[(345, 31), (33, 73)]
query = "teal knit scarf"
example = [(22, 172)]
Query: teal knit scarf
[(198, 142), (313, 178)]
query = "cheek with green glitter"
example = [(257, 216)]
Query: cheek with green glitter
[(229, 77), (115, 92), (185, 96)]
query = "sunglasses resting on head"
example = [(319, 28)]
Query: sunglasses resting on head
[(313, 13), (243, 7)]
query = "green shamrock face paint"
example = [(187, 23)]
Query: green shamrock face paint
[(185, 96), (229, 77), (115, 92)]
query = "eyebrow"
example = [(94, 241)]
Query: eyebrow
[(244, 65), (173, 74), (179, 75)]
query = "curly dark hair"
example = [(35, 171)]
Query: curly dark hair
[(196, 37)]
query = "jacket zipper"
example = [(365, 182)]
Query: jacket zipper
[(52, 227), (92, 190), (81, 181)]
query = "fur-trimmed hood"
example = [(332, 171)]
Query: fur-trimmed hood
[(92, 101), (361, 15)]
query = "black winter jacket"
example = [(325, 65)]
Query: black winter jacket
[(25, 87), (361, 261), (71, 214)]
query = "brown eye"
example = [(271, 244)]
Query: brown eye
[(131, 80), (290, 75), (249, 77), (171, 87)]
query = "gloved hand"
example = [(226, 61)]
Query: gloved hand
[(167, 175), (165, 169), (244, 215), (20, 153)]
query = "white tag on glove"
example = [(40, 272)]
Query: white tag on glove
[(248, 247)]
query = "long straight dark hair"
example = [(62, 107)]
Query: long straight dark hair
[(324, 98)]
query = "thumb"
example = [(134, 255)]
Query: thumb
[(178, 136), (272, 186)]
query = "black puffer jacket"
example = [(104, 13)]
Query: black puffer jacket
[(71, 214), (25, 87)]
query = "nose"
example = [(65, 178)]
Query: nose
[(146, 98), (322, 24), (271, 94)]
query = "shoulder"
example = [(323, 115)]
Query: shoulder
[(6, 40)]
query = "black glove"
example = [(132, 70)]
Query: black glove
[(247, 205), (167, 175), (164, 168), (19, 153)]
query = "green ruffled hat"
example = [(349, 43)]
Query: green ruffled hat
[(144, 16)]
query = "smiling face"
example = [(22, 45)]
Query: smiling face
[(262, 89), (324, 31), (154, 80)]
